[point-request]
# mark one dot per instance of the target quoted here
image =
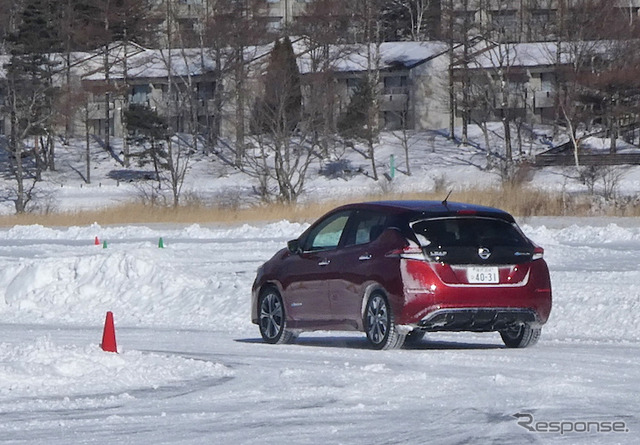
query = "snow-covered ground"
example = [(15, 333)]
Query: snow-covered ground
[(435, 162), (192, 368)]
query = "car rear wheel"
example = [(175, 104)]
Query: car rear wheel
[(379, 323), (272, 318), (520, 336)]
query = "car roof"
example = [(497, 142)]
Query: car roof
[(430, 209)]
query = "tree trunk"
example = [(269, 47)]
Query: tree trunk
[(239, 87), (508, 147), (452, 117), (87, 144), (125, 104), (613, 133), (16, 151)]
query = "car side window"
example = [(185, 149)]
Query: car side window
[(328, 233), (367, 227)]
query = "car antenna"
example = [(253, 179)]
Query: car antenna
[(444, 203)]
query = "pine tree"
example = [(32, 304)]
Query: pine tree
[(30, 93), (282, 106), (353, 124), (149, 132)]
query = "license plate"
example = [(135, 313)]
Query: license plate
[(483, 275)]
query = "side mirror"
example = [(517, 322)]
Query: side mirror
[(294, 246)]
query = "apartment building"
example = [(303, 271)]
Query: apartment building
[(526, 20), (188, 16), (510, 20), (413, 86)]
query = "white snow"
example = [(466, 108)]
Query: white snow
[(192, 369)]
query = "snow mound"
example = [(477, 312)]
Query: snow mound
[(40, 368), (194, 231)]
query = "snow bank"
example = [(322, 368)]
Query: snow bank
[(194, 231), (202, 277)]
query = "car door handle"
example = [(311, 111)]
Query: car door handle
[(324, 262), (365, 257)]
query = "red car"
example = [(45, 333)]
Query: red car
[(398, 269)]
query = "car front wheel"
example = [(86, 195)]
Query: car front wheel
[(272, 318), (379, 323), (520, 336)]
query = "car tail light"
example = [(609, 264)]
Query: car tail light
[(538, 253), (410, 252)]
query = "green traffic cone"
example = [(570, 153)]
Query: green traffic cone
[(161, 243), (104, 245)]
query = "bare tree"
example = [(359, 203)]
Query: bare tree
[(230, 29), (588, 32), (324, 24), (366, 29), (285, 147), (409, 19)]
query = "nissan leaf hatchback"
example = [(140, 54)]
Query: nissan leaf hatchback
[(398, 269)]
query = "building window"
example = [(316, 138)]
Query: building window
[(206, 90), (274, 24), (140, 94), (505, 22), (353, 85), (395, 84)]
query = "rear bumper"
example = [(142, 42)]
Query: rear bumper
[(429, 303), (476, 319)]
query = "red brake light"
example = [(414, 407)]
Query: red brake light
[(538, 253), (410, 252)]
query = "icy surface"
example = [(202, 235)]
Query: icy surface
[(192, 369)]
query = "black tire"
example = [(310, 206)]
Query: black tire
[(379, 324), (273, 321), (520, 336), (414, 337)]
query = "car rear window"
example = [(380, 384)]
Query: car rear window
[(468, 232)]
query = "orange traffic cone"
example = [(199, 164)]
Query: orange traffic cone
[(97, 241), (109, 335)]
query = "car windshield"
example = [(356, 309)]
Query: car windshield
[(468, 231)]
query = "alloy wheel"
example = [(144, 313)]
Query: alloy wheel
[(377, 319), (271, 316)]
